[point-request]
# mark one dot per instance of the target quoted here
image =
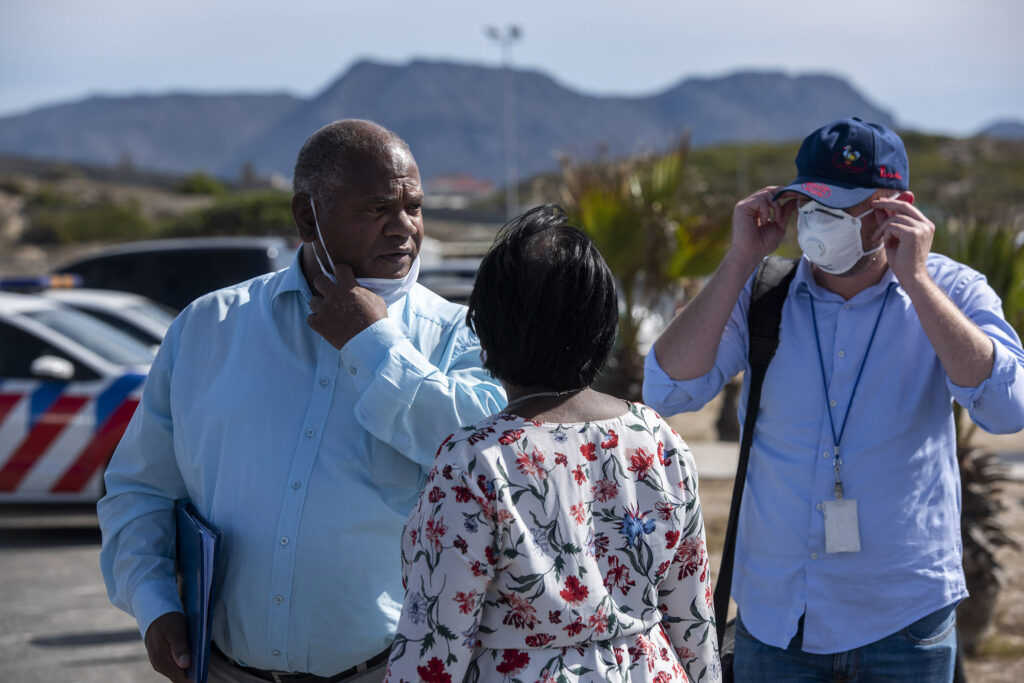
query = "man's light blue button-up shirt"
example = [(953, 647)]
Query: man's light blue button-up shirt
[(306, 457), (898, 457)]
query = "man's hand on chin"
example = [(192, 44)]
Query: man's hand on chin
[(343, 309)]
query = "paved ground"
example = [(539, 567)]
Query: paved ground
[(56, 624)]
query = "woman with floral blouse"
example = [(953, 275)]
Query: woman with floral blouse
[(561, 540)]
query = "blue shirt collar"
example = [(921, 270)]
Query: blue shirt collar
[(294, 280), (804, 281)]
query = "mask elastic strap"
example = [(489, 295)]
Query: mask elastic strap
[(316, 223)]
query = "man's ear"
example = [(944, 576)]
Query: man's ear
[(302, 214)]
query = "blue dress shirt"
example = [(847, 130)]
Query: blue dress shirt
[(898, 457), (306, 457)]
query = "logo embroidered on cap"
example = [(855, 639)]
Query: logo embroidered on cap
[(895, 175), (849, 160), (817, 189)]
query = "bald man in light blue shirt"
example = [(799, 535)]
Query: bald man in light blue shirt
[(299, 411)]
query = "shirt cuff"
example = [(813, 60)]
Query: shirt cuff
[(364, 353), (670, 396), (1004, 369), (154, 599)]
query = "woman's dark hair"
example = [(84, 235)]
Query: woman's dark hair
[(544, 303)]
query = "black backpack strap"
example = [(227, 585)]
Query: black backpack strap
[(771, 285)]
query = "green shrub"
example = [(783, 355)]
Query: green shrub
[(200, 183), (264, 212), (55, 218)]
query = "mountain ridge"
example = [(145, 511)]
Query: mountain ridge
[(450, 113)]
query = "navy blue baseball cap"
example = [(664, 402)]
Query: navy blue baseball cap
[(842, 163)]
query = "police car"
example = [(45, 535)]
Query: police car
[(142, 318), (69, 384)]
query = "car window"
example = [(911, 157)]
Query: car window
[(19, 348), (153, 312), (126, 327), (108, 343)]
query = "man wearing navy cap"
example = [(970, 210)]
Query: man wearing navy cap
[(848, 567)]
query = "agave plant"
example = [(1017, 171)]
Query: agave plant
[(998, 253), (983, 535)]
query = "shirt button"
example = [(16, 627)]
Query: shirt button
[(846, 307), (819, 506), (278, 599), (310, 433), (284, 540), (842, 354), (296, 485), (832, 403), (352, 369), (825, 454), (276, 653), (324, 382), (814, 556)]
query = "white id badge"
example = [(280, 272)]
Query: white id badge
[(841, 532)]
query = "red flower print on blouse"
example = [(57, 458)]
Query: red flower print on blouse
[(435, 494), (492, 557), (512, 661), (447, 472), (661, 455), (560, 459), (574, 628), (555, 616), (436, 531), (539, 639), (605, 490), (612, 441), (617, 576), (510, 436), (690, 557), (574, 591), (521, 614), (463, 494), (671, 537), (480, 435), (467, 601), (662, 677), (589, 450), (709, 597), (446, 440), (664, 510), (579, 475), (461, 544), (641, 462), (434, 672), (486, 487), (578, 512), (599, 621), (532, 464), (643, 648)]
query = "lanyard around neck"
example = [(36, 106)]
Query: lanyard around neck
[(837, 436)]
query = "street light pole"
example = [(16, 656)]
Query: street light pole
[(506, 39)]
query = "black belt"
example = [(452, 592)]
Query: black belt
[(292, 677)]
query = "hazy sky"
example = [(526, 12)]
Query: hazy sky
[(940, 65)]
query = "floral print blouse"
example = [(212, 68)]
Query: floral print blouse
[(558, 552)]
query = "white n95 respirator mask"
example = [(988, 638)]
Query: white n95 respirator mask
[(830, 238)]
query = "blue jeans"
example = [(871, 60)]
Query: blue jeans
[(923, 652)]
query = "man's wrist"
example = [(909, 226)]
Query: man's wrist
[(740, 262)]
